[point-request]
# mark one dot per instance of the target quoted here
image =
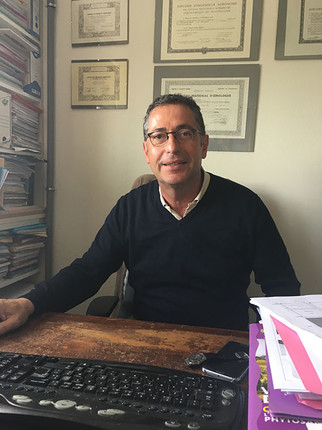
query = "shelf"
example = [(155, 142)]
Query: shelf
[(12, 89), (5, 282), (30, 43), (19, 290), (34, 69)]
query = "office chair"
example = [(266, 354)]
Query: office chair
[(119, 305)]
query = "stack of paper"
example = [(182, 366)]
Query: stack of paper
[(20, 62), (14, 59), (24, 12), (39, 230), (25, 248), (19, 147), (17, 10), (293, 337), (3, 176), (25, 126), (262, 397), (16, 186), (20, 250), (5, 241)]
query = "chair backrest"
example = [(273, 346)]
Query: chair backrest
[(122, 289)]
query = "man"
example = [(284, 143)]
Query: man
[(190, 239)]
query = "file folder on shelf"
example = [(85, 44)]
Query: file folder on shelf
[(5, 119), (35, 18)]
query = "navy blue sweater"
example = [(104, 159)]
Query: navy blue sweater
[(191, 271)]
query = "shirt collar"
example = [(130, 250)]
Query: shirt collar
[(191, 205)]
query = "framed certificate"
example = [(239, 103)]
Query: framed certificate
[(207, 30), (299, 30), (99, 22), (100, 84), (227, 96)]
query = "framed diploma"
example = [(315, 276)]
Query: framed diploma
[(99, 22), (299, 30), (99, 84), (207, 30), (227, 96)]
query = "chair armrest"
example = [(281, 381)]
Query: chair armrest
[(102, 306)]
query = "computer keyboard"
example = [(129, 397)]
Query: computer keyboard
[(92, 394)]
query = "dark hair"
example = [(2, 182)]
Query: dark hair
[(175, 99)]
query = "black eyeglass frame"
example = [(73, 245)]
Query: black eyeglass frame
[(193, 130)]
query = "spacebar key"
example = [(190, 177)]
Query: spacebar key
[(37, 382)]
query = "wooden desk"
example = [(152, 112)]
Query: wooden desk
[(99, 338)]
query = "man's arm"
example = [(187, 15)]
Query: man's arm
[(14, 313), (271, 262)]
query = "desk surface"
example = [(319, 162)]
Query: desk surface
[(110, 339)]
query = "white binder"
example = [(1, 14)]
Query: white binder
[(5, 119)]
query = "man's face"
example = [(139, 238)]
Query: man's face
[(175, 163)]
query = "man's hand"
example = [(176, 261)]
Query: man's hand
[(14, 313)]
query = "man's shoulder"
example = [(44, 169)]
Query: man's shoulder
[(142, 192), (134, 204), (232, 194), (144, 189), (220, 183)]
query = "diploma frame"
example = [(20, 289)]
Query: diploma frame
[(200, 82), (291, 40), (245, 46), (88, 29), (99, 84)]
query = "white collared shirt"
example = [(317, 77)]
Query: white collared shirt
[(191, 205)]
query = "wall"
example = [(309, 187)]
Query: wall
[(99, 153)]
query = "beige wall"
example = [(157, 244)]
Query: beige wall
[(99, 153)]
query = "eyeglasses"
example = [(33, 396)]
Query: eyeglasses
[(185, 135)]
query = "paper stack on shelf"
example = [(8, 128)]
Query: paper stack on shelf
[(37, 230), (20, 62), (25, 13), (16, 187), (3, 176), (18, 11), (14, 59), (19, 147), (25, 126), (5, 240), (293, 339), (19, 126), (20, 250)]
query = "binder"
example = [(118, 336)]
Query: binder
[(1, 190), (35, 18), (5, 119), (35, 74)]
